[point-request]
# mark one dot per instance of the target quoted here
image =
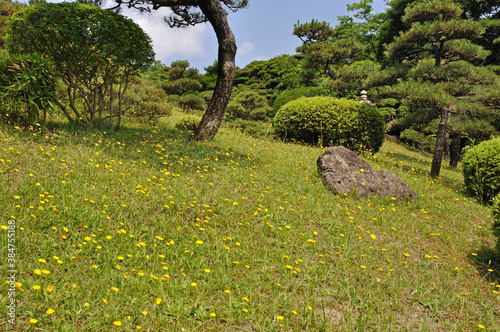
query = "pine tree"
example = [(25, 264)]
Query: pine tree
[(438, 52)]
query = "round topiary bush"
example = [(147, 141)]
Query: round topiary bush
[(482, 169), (331, 121)]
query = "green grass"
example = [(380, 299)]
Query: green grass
[(145, 229)]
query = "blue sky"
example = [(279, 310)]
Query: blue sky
[(263, 30)]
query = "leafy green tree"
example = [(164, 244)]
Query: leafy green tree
[(392, 25), (95, 52), (7, 8), (439, 52), (192, 12), (324, 54), (488, 13), (363, 26)]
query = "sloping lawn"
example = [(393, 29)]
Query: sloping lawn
[(144, 229)]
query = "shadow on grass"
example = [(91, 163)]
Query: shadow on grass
[(412, 164), (148, 143), (487, 263)]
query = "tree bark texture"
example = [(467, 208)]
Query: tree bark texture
[(212, 119), (440, 142), (455, 150)]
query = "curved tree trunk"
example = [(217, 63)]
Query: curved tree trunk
[(440, 142), (212, 119)]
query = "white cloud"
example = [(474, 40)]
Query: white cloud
[(246, 47), (167, 42)]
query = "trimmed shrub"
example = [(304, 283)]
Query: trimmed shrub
[(496, 220), (331, 121), (293, 94), (189, 122), (482, 169)]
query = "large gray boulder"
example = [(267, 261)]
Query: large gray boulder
[(343, 172)]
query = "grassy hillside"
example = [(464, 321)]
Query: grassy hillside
[(144, 229)]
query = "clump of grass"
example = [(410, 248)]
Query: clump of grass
[(145, 229)]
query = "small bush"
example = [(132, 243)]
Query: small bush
[(247, 104), (192, 102), (496, 220), (27, 89), (331, 121), (482, 169), (253, 128), (418, 140), (188, 122)]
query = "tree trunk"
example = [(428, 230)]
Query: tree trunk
[(446, 153), (455, 150), (440, 142), (211, 121)]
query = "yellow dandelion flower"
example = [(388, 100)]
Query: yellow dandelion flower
[(50, 288), (144, 313), (41, 260), (227, 291), (280, 318), (158, 301), (199, 242), (36, 287), (117, 323), (194, 284), (33, 321), (38, 272), (50, 311), (213, 314)]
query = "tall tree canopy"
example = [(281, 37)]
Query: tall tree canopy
[(191, 12), (438, 52), (94, 51)]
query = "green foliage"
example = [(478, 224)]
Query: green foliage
[(418, 139), (247, 104), (482, 169), (495, 214), (331, 121), (144, 99), (7, 8), (279, 73), (349, 80), (192, 102), (95, 52), (27, 89), (179, 78), (189, 122), (253, 128), (292, 94)]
